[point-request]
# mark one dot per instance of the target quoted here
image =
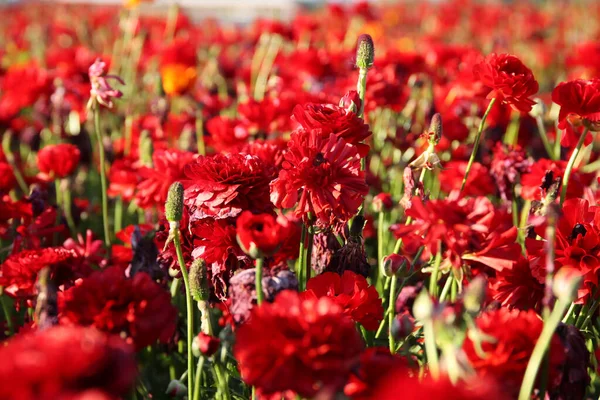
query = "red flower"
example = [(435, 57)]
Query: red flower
[(178, 67), (223, 186), (508, 164), (508, 350), (7, 178), (329, 119), (299, 344), (323, 176), (516, 287), (138, 307), (19, 271), (508, 79), (66, 363), (579, 102), (479, 181), (532, 180), (359, 300), (123, 179), (207, 345), (58, 161), (261, 235), (21, 87), (167, 168)]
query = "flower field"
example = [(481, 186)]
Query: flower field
[(364, 202)]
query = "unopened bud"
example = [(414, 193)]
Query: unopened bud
[(566, 283), (382, 202), (394, 265), (539, 109), (423, 307), (475, 294), (174, 204), (435, 129), (176, 389), (365, 52), (351, 101), (198, 280), (402, 325), (205, 345)]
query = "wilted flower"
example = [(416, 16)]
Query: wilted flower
[(101, 91)]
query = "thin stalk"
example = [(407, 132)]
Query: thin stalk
[(446, 288), (67, 209), (476, 143), (301, 257), (540, 348), (200, 133), (391, 313), (265, 69), (260, 296), (190, 313), (198, 378), (431, 349), (433, 283), (308, 258), (118, 214), (542, 130), (10, 159), (102, 174), (361, 88), (570, 165), (6, 311)]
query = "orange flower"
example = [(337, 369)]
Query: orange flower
[(177, 78)]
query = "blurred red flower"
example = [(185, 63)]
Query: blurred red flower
[(507, 352), (320, 176), (516, 287), (224, 185), (7, 178), (57, 161), (178, 66), (299, 344), (66, 363), (136, 307), (21, 86), (532, 180), (359, 300), (508, 79), (579, 102), (479, 181), (261, 235)]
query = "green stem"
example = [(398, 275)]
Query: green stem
[(6, 310), (190, 312), (68, 210), (433, 283), (567, 175), (102, 174), (540, 349), (361, 88), (308, 258), (476, 143), (10, 159), (391, 313), (301, 256), (265, 69), (542, 130), (200, 133), (258, 281), (198, 378), (431, 349), (446, 288), (118, 214)]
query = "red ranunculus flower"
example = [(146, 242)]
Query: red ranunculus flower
[(579, 102), (136, 307), (508, 164), (323, 176), (223, 186), (359, 300), (167, 168), (299, 344), (7, 178), (57, 161), (261, 235), (329, 119), (479, 181), (516, 287), (532, 180), (66, 363), (507, 354), (508, 79)]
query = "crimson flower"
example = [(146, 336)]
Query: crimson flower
[(508, 164), (532, 180), (359, 300), (123, 179), (508, 79), (517, 287), (167, 168), (479, 181), (299, 344), (579, 102), (507, 351), (136, 307), (66, 363), (58, 161), (329, 119), (320, 176), (224, 185), (7, 178), (261, 235)]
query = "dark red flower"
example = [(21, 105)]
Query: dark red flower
[(579, 102), (516, 287), (479, 181), (66, 363), (320, 176), (299, 344), (136, 307), (21, 86), (123, 179), (223, 186), (262, 234), (168, 166), (58, 161), (207, 345), (532, 180), (359, 300), (508, 164), (508, 79), (329, 119), (7, 178), (507, 352)]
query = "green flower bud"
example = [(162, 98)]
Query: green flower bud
[(198, 281), (174, 204), (176, 389), (475, 294), (423, 307), (435, 129), (146, 149), (566, 284), (365, 52)]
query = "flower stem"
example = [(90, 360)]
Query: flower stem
[(68, 210), (102, 174), (391, 313), (567, 175), (258, 281), (431, 349), (542, 130), (301, 257), (361, 88), (476, 143), (6, 310), (200, 133), (540, 348), (10, 159), (198, 378), (189, 310), (433, 282)]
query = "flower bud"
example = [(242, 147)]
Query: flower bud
[(475, 294), (566, 283), (365, 52), (402, 325), (394, 265), (539, 109), (435, 129), (176, 389), (146, 149), (351, 101), (174, 204), (382, 202), (198, 281), (423, 307), (205, 345)]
